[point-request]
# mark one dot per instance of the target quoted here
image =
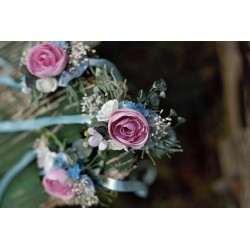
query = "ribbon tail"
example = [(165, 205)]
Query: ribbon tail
[(6, 65), (28, 125), (10, 82), (14, 171)]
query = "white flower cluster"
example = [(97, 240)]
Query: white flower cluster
[(106, 110), (78, 51), (44, 155), (90, 104)]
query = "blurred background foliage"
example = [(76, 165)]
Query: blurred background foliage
[(191, 71)]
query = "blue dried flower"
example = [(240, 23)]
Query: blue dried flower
[(60, 161), (139, 107), (69, 74), (152, 118), (127, 104), (61, 44), (131, 105), (74, 172)]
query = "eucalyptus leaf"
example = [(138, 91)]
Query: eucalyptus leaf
[(81, 151), (30, 79), (160, 85), (162, 94), (181, 119), (95, 123), (72, 154), (30, 82), (26, 72), (154, 100), (172, 113)]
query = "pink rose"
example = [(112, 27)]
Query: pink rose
[(57, 184), (128, 127), (46, 60)]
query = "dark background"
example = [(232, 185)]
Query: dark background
[(195, 92)]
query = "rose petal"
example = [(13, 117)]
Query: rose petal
[(129, 127), (46, 60), (57, 184)]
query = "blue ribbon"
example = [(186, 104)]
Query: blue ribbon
[(14, 171), (6, 79), (10, 82), (140, 188), (148, 179), (122, 186), (4, 64), (27, 125)]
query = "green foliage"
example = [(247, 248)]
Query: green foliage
[(160, 85), (152, 99), (73, 98), (109, 86), (120, 160), (30, 79)]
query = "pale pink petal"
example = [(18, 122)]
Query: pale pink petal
[(95, 139), (93, 142), (91, 131), (103, 145)]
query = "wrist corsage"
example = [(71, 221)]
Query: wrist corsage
[(120, 132), (121, 123), (49, 66)]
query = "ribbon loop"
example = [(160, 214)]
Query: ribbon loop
[(122, 186), (140, 188)]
